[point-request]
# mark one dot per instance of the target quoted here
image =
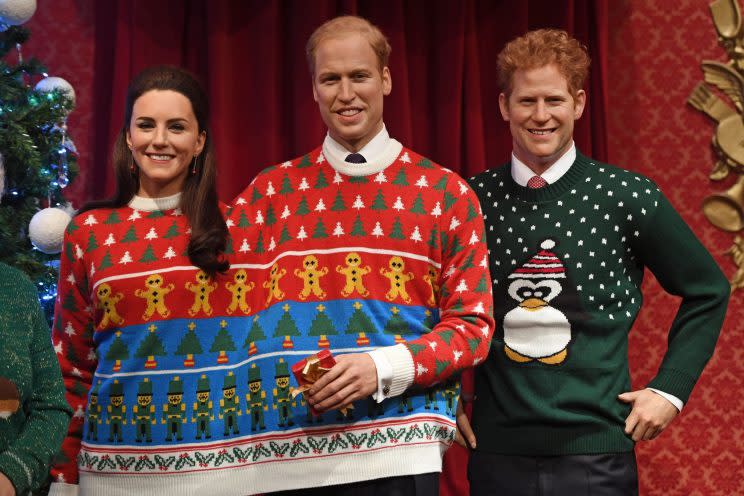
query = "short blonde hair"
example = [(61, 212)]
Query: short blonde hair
[(540, 48), (345, 25)]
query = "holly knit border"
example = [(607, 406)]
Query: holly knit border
[(267, 449)]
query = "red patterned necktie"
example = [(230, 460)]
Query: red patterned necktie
[(536, 182)]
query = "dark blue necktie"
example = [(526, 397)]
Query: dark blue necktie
[(356, 158)]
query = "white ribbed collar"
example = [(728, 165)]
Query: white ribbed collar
[(380, 152), (521, 173), (153, 204)]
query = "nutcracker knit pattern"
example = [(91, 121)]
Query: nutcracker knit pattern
[(354, 257), (33, 411), (153, 363), (567, 265)]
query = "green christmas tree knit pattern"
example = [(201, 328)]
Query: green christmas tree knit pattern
[(567, 263)]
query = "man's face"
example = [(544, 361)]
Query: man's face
[(541, 114), (144, 399), (174, 399), (349, 89)]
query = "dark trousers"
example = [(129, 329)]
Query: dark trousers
[(407, 485), (571, 475)]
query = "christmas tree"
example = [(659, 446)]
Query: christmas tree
[(286, 327), (255, 334), (360, 324), (189, 346), (322, 327), (117, 352), (222, 343), (39, 160), (150, 347), (397, 326)]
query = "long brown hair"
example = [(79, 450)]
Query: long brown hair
[(199, 202)]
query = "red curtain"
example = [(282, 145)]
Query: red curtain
[(250, 55)]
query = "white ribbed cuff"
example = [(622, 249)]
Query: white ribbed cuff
[(678, 404), (63, 489), (384, 374), (401, 362)]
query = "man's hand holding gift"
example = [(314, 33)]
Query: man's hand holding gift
[(353, 377)]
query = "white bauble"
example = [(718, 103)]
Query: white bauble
[(51, 83), (16, 12), (47, 228)]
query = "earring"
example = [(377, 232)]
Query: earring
[(131, 162), (193, 165)]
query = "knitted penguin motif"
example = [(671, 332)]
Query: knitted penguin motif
[(534, 329)]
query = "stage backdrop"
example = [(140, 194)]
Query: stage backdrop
[(250, 55)]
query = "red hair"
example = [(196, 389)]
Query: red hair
[(540, 48)]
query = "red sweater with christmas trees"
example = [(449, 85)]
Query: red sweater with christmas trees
[(385, 255), (153, 363)]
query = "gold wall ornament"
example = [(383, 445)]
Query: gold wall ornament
[(725, 210), (737, 253), (727, 19)]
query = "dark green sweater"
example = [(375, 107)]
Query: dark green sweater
[(33, 411), (567, 263)]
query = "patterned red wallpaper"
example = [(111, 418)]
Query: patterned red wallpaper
[(655, 49)]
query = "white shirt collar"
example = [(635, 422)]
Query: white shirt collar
[(153, 204), (371, 151), (379, 153), (521, 173)]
